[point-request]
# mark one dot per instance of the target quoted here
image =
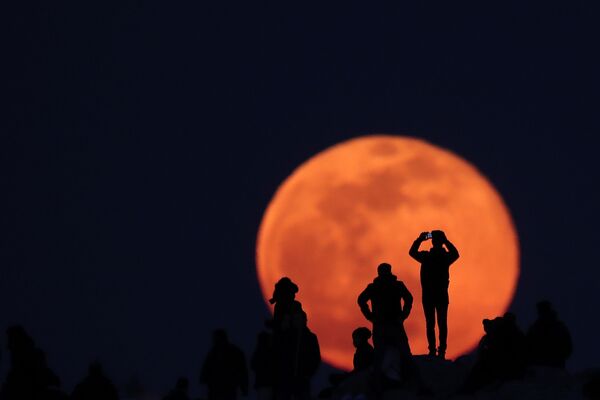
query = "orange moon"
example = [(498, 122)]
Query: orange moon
[(362, 202)]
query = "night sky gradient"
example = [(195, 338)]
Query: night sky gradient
[(141, 142)]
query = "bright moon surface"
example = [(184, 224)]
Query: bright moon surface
[(363, 202)]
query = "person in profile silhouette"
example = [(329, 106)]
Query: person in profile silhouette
[(500, 354), (285, 304), (29, 376), (435, 278), (548, 339), (224, 370), (364, 353), (95, 386), (485, 368), (180, 392), (362, 361), (45, 377)]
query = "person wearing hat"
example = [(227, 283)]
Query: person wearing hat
[(435, 278), (285, 304)]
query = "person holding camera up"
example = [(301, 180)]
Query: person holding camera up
[(435, 278)]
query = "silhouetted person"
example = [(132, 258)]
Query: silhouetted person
[(484, 370), (363, 360), (391, 303), (508, 348), (298, 358), (500, 355), (364, 353), (29, 376), (548, 339), (180, 392), (386, 295), (19, 382), (45, 378), (515, 347), (285, 304), (224, 370), (20, 346), (435, 278), (133, 388), (262, 363), (95, 386)]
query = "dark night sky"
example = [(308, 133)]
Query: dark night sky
[(142, 142)]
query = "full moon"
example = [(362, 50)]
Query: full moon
[(363, 202)]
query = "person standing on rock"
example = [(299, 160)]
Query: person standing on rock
[(435, 278), (391, 303)]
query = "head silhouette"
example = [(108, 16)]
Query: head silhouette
[(360, 336), (95, 369), (487, 325), (438, 238), (285, 289), (545, 310), (18, 339), (510, 318), (491, 326), (220, 338), (384, 269)]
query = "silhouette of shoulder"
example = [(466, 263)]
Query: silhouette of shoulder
[(180, 392), (95, 386)]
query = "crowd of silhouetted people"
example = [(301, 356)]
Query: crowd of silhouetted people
[(30, 378), (287, 353), (287, 356), (505, 351)]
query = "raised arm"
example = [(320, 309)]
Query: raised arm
[(452, 251), (414, 249), (363, 300)]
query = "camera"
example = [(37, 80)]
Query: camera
[(428, 236)]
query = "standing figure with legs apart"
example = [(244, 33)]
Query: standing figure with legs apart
[(435, 279), (391, 303)]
